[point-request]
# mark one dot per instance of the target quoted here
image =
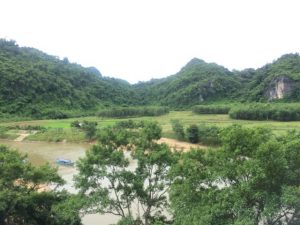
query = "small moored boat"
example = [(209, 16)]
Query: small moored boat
[(65, 162)]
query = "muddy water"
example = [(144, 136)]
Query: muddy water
[(42, 152)]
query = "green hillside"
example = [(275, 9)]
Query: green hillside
[(200, 83), (286, 68), (195, 83), (38, 85)]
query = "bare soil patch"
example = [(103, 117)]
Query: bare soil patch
[(179, 145), (23, 134)]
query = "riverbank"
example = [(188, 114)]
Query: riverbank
[(40, 153)]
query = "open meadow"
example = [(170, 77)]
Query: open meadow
[(60, 129)]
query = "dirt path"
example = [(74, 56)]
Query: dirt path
[(178, 145), (23, 134)]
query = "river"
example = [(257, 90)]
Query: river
[(42, 152)]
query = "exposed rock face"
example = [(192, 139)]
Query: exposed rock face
[(279, 88)]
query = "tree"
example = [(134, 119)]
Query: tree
[(178, 129), (21, 200), (108, 183), (89, 128), (192, 133), (253, 179)]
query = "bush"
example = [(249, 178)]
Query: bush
[(260, 111), (134, 112), (26, 127), (75, 124), (88, 127), (192, 133), (178, 129), (56, 114), (129, 124), (209, 135)]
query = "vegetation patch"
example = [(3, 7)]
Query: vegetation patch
[(125, 112), (261, 111), (211, 109), (186, 118), (57, 135), (6, 133)]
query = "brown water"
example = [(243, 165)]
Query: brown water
[(42, 152)]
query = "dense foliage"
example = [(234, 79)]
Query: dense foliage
[(197, 82), (253, 179), (211, 109), (259, 111), (109, 183), (209, 135), (38, 85), (192, 133), (22, 201), (259, 82), (204, 134), (178, 129), (130, 124), (88, 127), (125, 112)]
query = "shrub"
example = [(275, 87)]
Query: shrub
[(192, 133), (134, 112), (260, 111), (211, 109), (209, 135), (178, 129)]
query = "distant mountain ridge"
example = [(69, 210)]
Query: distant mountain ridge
[(35, 84), (199, 82), (195, 83), (38, 85)]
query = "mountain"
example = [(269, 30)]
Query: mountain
[(38, 85), (195, 83), (277, 80), (199, 82)]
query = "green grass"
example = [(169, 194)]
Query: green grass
[(57, 135), (59, 130), (9, 135)]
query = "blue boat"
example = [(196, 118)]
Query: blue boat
[(65, 162)]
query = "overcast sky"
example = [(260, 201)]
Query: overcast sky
[(143, 39)]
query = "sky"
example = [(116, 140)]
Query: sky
[(138, 40)]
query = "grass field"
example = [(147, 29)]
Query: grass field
[(60, 129)]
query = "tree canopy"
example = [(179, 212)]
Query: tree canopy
[(252, 179), (134, 188), (22, 199), (38, 85)]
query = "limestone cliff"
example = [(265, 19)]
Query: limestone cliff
[(279, 88)]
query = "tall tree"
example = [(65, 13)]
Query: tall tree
[(135, 191)]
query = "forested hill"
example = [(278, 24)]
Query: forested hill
[(277, 80), (200, 82), (38, 85), (34, 84), (195, 83)]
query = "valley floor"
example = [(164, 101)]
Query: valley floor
[(61, 131)]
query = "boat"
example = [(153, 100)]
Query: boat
[(65, 162)]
